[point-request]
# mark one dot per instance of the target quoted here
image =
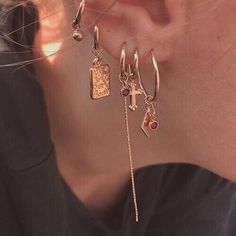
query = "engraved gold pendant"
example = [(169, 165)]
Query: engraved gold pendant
[(100, 80)]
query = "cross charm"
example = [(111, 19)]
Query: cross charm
[(133, 93)]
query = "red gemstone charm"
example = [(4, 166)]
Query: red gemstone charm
[(125, 92), (153, 125)]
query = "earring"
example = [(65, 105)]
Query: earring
[(78, 35), (99, 72), (129, 85), (133, 91), (125, 77), (150, 120)]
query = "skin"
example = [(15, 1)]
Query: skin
[(194, 41)]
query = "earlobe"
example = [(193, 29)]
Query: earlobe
[(135, 22)]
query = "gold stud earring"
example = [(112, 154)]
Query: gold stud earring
[(150, 121), (78, 35), (99, 72)]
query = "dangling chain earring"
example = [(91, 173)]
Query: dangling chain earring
[(150, 120), (99, 72), (78, 35), (126, 78)]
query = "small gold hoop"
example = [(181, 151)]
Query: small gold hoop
[(76, 22), (96, 38), (157, 76), (123, 59)]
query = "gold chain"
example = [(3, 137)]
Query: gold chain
[(131, 161)]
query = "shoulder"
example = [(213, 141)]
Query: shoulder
[(25, 137)]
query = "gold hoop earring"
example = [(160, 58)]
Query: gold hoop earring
[(150, 120), (78, 35), (99, 72)]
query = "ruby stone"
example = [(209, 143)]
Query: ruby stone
[(153, 125), (125, 92)]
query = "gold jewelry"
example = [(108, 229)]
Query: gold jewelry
[(78, 35), (150, 120), (99, 72), (125, 76), (130, 86), (133, 91)]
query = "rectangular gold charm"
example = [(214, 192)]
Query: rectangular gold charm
[(100, 81)]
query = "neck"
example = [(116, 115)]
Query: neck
[(64, 80)]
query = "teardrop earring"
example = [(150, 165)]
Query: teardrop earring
[(78, 35)]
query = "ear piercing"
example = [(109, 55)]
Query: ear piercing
[(99, 72), (132, 86), (126, 78), (78, 35), (129, 76), (150, 120)]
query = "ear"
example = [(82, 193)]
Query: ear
[(143, 24)]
